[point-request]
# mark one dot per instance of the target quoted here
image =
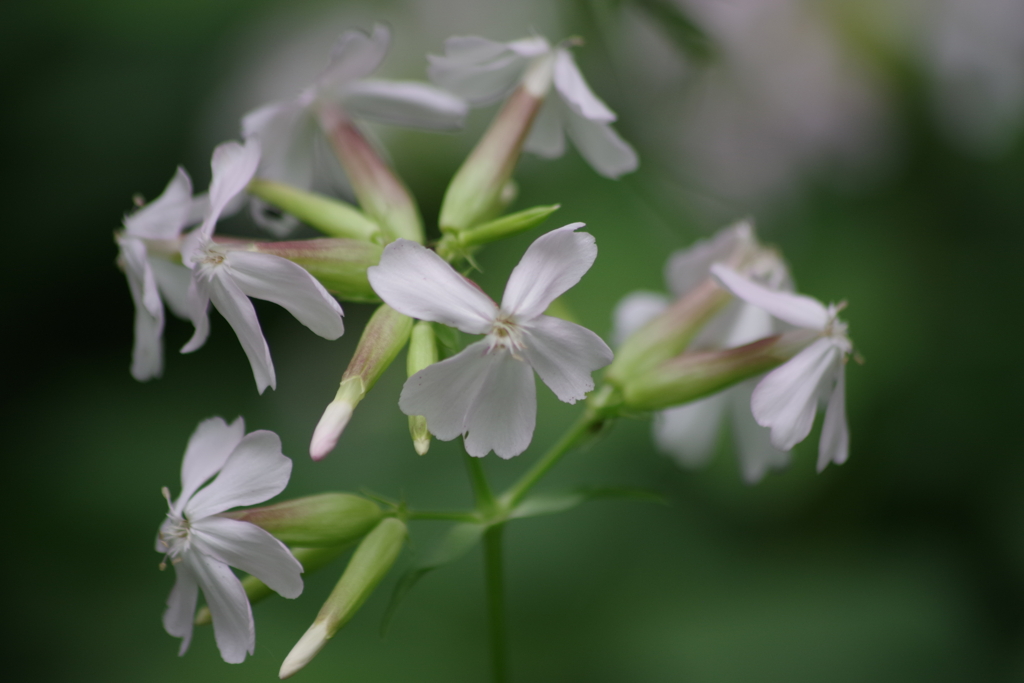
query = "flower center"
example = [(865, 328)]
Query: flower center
[(507, 334), (176, 535)]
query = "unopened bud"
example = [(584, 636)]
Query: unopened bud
[(475, 193), (369, 564), (697, 374), (338, 264), (381, 194), (422, 353), (506, 226), (326, 519), (384, 336), (330, 216)]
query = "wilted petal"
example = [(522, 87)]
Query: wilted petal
[(553, 263), (251, 549), (234, 305), (417, 282), (835, 434), (576, 93), (689, 433), (564, 354), (754, 448), (547, 137), (233, 626), (601, 146), (786, 399), (255, 471), (164, 217), (290, 286), (148, 347), (635, 310), (233, 167), (405, 103), (795, 309), (173, 281), (209, 447), (181, 606), (353, 56), (504, 412)]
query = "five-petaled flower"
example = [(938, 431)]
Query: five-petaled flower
[(487, 391), (202, 545), (484, 71), (228, 277), (787, 398)]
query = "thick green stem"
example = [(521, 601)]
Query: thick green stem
[(485, 502), (496, 601)]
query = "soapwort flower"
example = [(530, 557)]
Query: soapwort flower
[(202, 545), (487, 393), (295, 149), (689, 432), (228, 277), (483, 71), (787, 398)]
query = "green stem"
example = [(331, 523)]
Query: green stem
[(444, 515), (485, 502), (514, 495), (496, 601)]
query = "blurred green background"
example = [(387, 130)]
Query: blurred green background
[(878, 144)]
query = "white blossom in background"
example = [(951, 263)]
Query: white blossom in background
[(787, 398), (229, 277), (689, 433), (202, 545), (486, 393), (295, 149), (483, 71)]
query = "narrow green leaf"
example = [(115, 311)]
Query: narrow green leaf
[(554, 503)]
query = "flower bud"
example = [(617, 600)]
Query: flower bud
[(696, 374), (327, 519), (338, 264), (330, 216), (369, 564), (457, 243), (475, 193), (311, 560), (422, 353), (381, 194), (385, 335)]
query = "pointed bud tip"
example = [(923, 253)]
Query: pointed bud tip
[(421, 444), (311, 642), (329, 429)]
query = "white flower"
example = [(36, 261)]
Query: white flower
[(295, 149), (203, 546), (227, 277), (483, 71), (689, 433), (787, 398), (486, 393)]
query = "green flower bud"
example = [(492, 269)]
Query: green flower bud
[(338, 264), (460, 243), (327, 519), (701, 373), (384, 336), (330, 216), (422, 353), (369, 564)]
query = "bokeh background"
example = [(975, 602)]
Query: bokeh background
[(877, 142)]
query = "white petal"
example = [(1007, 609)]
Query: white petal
[(417, 282), (233, 627), (199, 312), (564, 354), (754, 448), (576, 93), (444, 392), (255, 471), (287, 284), (635, 310), (479, 70), (689, 433), (405, 103), (786, 399), (208, 449), (687, 268), (553, 264), (835, 434), (534, 46), (173, 282), (233, 167), (234, 305), (148, 348), (504, 412), (354, 55), (749, 324), (164, 217), (547, 137), (251, 549), (601, 146), (181, 606), (795, 309)]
